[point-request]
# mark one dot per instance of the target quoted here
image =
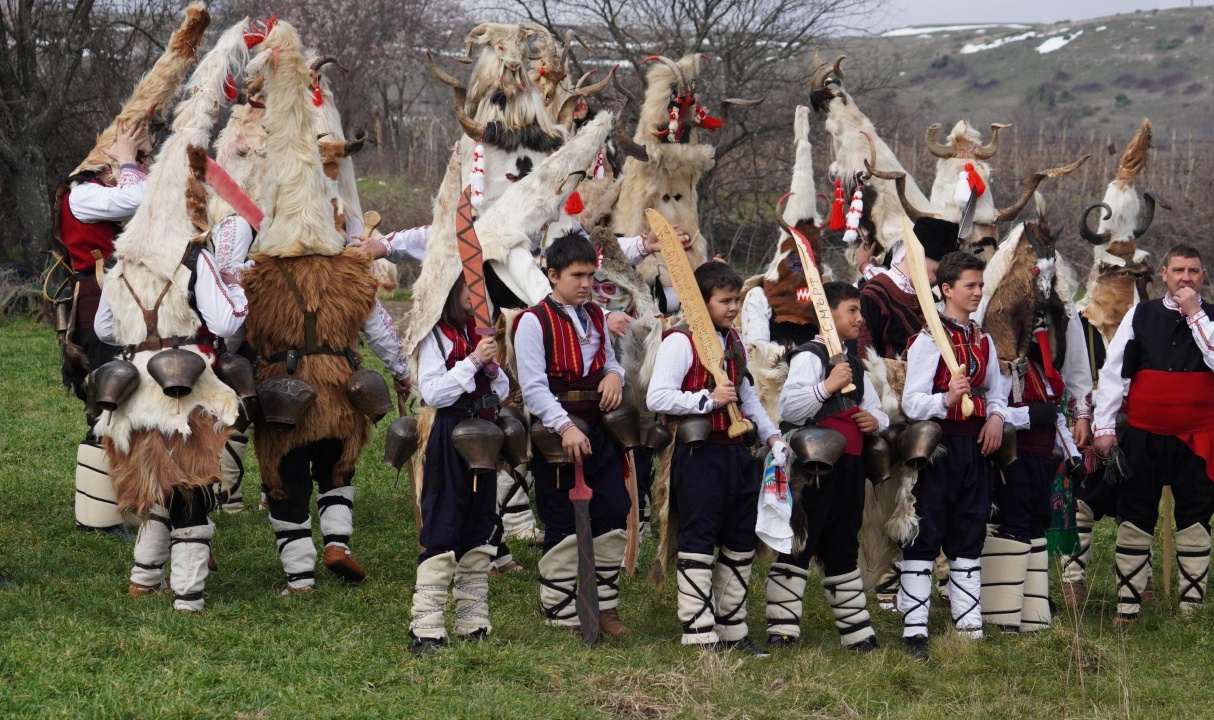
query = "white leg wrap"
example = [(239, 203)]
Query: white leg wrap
[(845, 595), (430, 596), (1075, 567), (1133, 562), (191, 550), (231, 473), (96, 502), (336, 511), (151, 549), (514, 502), (695, 599), (1193, 560), (296, 551), (785, 597), (965, 593), (472, 591), (1036, 613), (608, 557), (1004, 564), (730, 587), (558, 581), (915, 596), (502, 561)]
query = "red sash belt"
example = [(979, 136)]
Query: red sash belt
[(1176, 403), (844, 424)]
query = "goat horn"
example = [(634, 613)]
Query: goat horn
[(527, 30), (899, 179), (1150, 199), (674, 67), (472, 128), (935, 148), (358, 137), (1030, 186), (585, 76), (816, 59), (564, 116), (598, 86), (822, 71), (444, 78), (987, 151), (870, 164), (627, 145), (780, 213), (727, 103), (472, 38), (565, 50), (1085, 230), (320, 62)]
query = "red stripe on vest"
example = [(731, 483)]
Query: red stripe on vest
[(697, 377), (562, 347), (83, 238), (970, 354)]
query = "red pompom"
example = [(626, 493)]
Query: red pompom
[(838, 219), (229, 88), (574, 206), (317, 98), (977, 186)]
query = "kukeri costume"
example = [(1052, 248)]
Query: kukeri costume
[(1167, 360), (832, 504), (715, 488)]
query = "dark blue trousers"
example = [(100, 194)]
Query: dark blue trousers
[(834, 510), (604, 473), (1022, 497), (454, 516), (716, 490), (953, 501)]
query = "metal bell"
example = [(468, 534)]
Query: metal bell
[(284, 400), (549, 443), (659, 437), (1006, 454), (237, 373), (876, 458), (401, 441), (693, 430), (512, 411), (479, 443), (817, 448), (918, 442), (176, 370), (892, 436), (624, 425), (517, 446), (368, 393), (112, 383)]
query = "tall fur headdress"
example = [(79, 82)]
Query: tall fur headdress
[(299, 216), (154, 91), (173, 213), (240, 149)]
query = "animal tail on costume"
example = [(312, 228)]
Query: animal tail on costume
[(146, 475), (877, 550), (668, 517), (425, 424)]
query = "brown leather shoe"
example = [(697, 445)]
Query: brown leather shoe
[(343, 565), (1074, 594), (211, 564), (610, 625), (136, 590), (292, 591), (1148, 595), (514, 566), (1124, 619)]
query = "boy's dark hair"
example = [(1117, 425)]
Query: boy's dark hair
[(713, 275), (569, 249), (837, 292), (453, 310), (1187, 252), (955, 263)]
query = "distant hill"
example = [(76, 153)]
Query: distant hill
[(1103, 74)]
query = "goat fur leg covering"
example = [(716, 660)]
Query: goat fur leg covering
[(472, 591), (1132, 562), (849, 605), (1193, 560), (151, 549), (785, 598), (156, 463), (694, 572), (558, 581), (434, 576), (730, 587), (191, 552)]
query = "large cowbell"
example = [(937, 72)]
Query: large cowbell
[(368, 393), (401, 441), (549, 443), (817, 448), (284, 400), (176, 370), (479, 443), (112, 383)]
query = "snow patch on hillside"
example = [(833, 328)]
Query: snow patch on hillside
[(914, 31), (1057, 42), (979, 47)]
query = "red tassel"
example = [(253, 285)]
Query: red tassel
[(317, 98), (710, 123), (229, 88), (838, 220), (977, 186), (574, 206)]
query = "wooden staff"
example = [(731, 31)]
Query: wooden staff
[(695, 312)]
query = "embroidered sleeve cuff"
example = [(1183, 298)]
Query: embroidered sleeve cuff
[(387, 244), (870, 271), (1197, 317), (1105, 432), (707, 402), (820, 393), (560, 429), (617, 372), (1083, 415)]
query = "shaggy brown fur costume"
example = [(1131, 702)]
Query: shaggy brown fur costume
[(1016, 299), (344, 294), (782, 294), (145, 477)]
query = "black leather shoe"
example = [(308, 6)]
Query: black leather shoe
[(916, 647), (781, 642), (478, 635), (745, 645), (866, 645), (424, 646)]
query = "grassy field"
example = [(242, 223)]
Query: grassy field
[(72, 644)]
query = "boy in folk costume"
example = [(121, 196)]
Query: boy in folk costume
[(716, 487), (309, 296), (832, 504), (103, 192), (952, 493), (457, 374), (567, 367), (1162, 347), (165, 303)]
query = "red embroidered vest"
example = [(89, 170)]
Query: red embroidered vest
[(461, 348), (698, 378), (972, 349), (563, 350), (83, 238)]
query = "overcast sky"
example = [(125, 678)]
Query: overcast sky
[(900, 13)]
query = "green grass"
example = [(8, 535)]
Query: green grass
[(72, 644)]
